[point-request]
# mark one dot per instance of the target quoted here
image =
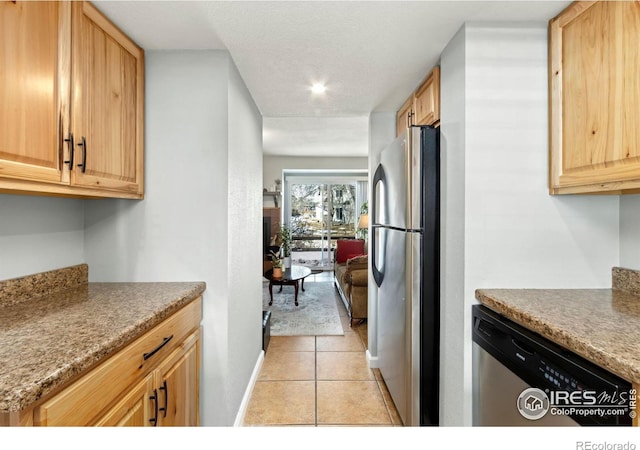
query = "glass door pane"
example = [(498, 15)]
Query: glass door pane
[(343, 213), (344, 217), (308, 222)]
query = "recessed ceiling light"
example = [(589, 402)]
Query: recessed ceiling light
[(318, 88)]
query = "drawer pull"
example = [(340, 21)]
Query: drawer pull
[(154, 399), (157, 349), (166, 399), (83, 144), (71, 150)]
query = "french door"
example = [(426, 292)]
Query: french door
[(320, 211)]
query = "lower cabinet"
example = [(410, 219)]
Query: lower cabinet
[(151, 382), (176, 387), (133, 410), (167, 397)]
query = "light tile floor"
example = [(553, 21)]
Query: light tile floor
[(320, 381)]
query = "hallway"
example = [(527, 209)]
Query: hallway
[(320, 381)]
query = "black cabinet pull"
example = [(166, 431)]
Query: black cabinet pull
[(166, 398), (154, 399), (157, 349), (83, 144), (69, 140)]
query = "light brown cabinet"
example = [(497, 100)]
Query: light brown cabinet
[(427, 100), (595, 98), (73, 120), (150, 382), (423, 106), (34, 89), (133, 410), (404, 117), (166, 397), (177, 386)]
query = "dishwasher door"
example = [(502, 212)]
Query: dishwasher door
[(520, 378), (495, 394)]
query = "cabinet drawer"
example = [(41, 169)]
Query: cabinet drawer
[(81, 403)]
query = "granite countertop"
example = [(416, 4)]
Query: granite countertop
[(601, 325), (58, 325)]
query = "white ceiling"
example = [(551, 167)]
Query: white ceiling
[(370, 54)]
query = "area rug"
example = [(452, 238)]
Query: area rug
[(317, 313), (314, 264)]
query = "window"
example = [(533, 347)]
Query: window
[(320, 208)]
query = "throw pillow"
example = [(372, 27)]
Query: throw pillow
[(346, 247)]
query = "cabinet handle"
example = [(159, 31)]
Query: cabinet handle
[(166, 398), (83, 144), (69, 140), (154, 399), (157, 349)]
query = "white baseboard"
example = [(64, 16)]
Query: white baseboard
[(373, 361), (247, 393)]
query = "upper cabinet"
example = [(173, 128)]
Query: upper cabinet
[(423, 106), (595, 98), (427, 100), (404, 117), (34, 88), (73, 120), (107, 104)]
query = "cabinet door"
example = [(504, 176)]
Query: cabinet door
[(427, 103), (595, 97), (134, 410), (34, 88), (404, 117), (177, 384), (107, 104)]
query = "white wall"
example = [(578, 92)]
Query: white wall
[(194, 195), (515, 234), (245, 236), (39, 234), (382, 131), (452, 226), (629, 231)]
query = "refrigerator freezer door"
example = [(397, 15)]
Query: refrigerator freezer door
[(394, 353)]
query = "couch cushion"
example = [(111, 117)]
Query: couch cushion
[(348, 248)]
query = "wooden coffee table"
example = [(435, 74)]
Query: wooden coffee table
[(293, 276)]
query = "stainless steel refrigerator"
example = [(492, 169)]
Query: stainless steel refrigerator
[(405, 253)]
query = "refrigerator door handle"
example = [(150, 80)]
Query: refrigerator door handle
[(378, 178)]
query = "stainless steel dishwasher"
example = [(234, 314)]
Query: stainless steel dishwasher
[(522, 379)]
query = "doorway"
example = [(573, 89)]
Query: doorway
[(321, 208)]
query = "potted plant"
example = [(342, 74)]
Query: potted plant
[(277, 265), (285, 242)]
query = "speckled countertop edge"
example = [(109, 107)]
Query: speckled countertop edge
[(601, 325), (49, 340), (23, 289), (625, 280)]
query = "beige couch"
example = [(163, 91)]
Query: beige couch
[(351, 280)]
